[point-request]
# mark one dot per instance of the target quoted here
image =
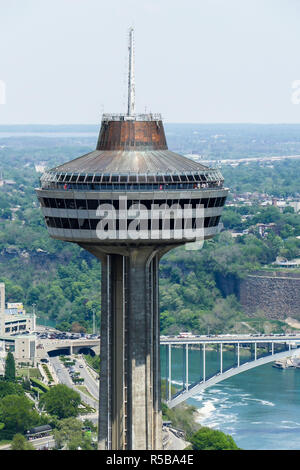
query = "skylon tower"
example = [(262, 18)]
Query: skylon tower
[(129, 202)]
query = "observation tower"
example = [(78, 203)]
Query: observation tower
[(129, 202)]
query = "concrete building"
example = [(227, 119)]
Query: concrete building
[(23, 347), (284, 263), (14, 323), (128, 203), (14, 319)]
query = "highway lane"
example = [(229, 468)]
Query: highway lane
[(64, 378), (47, 442), (192, 339), (61, 372), (91, 384)]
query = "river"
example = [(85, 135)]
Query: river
[(260, 408)]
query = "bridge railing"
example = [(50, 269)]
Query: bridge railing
[(238, 363)]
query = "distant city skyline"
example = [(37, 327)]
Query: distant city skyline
[(199, 61)]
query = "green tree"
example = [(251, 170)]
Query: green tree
[(288, 210), (80, 442), (19, 442), (26, 384), (93, 361), (77, 328), (89, 424), (61, 401), (17, 413), (69, 435), (287, 231), (231, 219), (10, 367), (10, 388), (210, 439), (64, 326)]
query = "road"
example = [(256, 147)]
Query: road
[(232, 338), (64, 378), (40, 444), (172, 441), (91, 384), (251, 159)]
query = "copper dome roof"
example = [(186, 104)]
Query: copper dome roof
[(135, 145)]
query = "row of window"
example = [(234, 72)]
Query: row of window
[(15, 328), (137, 178), (93, 204), (130, 187), (91, 224)]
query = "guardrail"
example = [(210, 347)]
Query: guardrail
[(131, 117)]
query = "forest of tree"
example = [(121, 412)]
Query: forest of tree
[(63, 281)]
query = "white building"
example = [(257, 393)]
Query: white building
[(16, 330), (22, 346)]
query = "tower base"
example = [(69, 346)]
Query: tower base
[(130, 383)]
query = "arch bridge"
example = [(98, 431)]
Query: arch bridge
[(263, 349), (71, 346)]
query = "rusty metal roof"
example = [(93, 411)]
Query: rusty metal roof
[(131, 147), (152, 161)]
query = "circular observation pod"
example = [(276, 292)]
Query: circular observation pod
[(132, 190)]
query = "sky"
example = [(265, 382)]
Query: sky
[(196, 61)]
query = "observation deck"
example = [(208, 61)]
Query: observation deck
[(131, 167)]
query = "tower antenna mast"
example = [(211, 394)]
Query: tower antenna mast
[(131, 84)]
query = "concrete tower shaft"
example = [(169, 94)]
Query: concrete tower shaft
[(130, 395)]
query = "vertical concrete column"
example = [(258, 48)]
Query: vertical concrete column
[(112, 403), (156, 370), (104, 430), (130, 385), (118, 353), (144, 429), (187, 366), (221, 358), (170, 371), (204, 363)]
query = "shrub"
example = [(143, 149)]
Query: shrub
[(210, 439)]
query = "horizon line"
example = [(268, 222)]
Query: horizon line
[(165, 122)]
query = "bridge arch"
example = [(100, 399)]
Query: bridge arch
[(193, 390), (58, 352), (68, 347), (85, 350)]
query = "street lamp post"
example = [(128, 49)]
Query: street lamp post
[(94, 325), (34, 316)]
